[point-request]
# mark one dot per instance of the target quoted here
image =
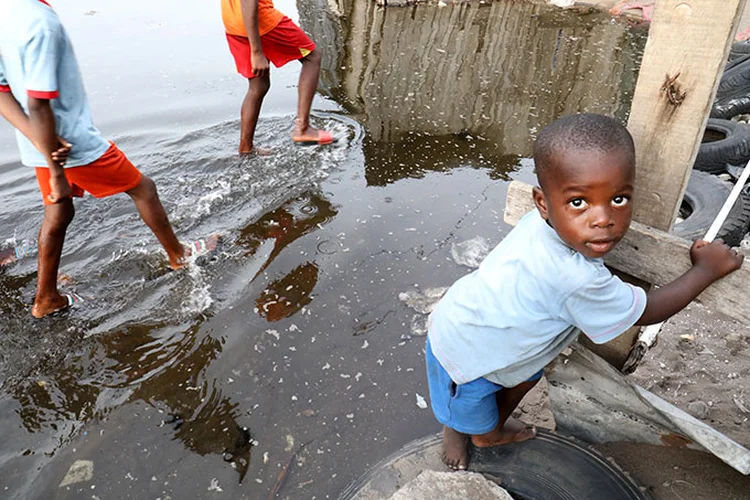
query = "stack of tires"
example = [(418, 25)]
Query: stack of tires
[(724, 152)]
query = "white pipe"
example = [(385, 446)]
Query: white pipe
[(719, 221)]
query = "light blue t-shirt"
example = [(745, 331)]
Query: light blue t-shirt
[(528, 300), (37, 59)]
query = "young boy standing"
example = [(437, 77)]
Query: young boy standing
[(42, 96), (256, 33), (496, 329)]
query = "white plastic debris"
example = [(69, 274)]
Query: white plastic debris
[(421, 403), (81, 471), (470, 253), (215, 486), (423, 301)]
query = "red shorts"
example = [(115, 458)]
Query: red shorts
[(286, 42), (111, 174)]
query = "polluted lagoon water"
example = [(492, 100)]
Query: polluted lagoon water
[(285, 363)]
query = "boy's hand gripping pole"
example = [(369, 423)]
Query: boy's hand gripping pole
[(647, 337)]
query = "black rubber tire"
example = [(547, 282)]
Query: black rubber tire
[(724, 141), (704, 197), (739, 50), (549, 467), (733, 94), (553, 467), (735, 81), (729, 108)]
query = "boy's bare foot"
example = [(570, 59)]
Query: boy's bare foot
[(196, 248), (252, 151), (514, 431), (45, 307), (455, 452), (178, 262)]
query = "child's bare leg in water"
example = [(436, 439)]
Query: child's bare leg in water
[(256, 91), (508, 430), (57, 217), (152, 212), (308, 84)]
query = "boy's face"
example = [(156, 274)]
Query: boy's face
[(586, 196)]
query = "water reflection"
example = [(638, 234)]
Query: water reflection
[(203, 418), (82, 380), (140, 364), (284, 297), (497, 71), (419, 153), (292, 220)]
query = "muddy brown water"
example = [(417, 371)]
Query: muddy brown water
[(285, 362)]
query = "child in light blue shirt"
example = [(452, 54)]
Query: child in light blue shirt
[(496, 329), (43, 98)]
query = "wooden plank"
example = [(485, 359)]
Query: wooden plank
[(689, 41), (655, 257)]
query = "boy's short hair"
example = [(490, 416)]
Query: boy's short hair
[(584, 131)]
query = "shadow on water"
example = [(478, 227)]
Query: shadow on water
[(284, 360)]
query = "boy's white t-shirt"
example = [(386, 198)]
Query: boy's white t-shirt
[(529, 299)]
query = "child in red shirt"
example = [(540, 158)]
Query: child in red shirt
[(257, 33)]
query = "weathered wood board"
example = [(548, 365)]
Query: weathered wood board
[(687, 46), (654, 256)]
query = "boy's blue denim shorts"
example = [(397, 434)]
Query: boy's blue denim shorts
[(469, 408)]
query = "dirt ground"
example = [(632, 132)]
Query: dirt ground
[(701, 364)]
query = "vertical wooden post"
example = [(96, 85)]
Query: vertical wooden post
[(682, 64), (688, 44)]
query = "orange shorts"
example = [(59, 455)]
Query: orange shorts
[(111, 174), (286, 42)]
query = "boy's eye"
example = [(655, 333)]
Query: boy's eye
[(620, 201), (577, 203)]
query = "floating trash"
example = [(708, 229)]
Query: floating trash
[(80, 472), (470, 253), (423, 301)]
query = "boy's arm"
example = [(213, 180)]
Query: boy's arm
[(249, 9), (42, 124), (711, 261), (13, 112)]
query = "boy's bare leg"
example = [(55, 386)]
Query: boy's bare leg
[(56, 220), (308, 84), (508, 430), (152, 212), (257, 90), (455, 452)]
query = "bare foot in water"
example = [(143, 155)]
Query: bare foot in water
[(514, 431), (253, 152), (455, 451), (45, 307), (195, 249)]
